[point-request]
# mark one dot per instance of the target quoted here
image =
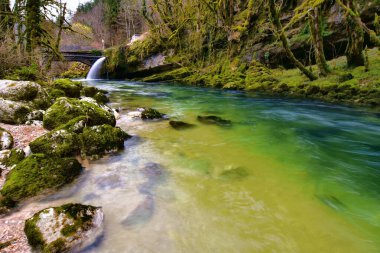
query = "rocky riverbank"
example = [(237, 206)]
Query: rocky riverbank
[(47, 134)]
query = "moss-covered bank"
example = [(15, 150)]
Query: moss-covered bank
[(355, 86)]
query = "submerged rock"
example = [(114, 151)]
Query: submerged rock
[(98, 140), (180, 125), (150, 113), (61, 143), (67, 228), (141, 214), (36, 174), (6, 139), (214, 120), (66, 109), (234, 173)]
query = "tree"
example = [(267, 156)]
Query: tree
[(317, 38), (356, 30), (284, 40)]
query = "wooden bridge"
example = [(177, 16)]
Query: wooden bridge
[(86, 57)]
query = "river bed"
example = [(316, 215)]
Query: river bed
[(288, 175)]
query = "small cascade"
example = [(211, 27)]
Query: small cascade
[(94, 72)]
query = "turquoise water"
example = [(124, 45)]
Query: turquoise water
[(288, 175)]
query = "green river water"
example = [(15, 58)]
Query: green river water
[(288, 175)]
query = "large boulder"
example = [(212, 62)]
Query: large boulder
[(37, 174), (6, 139), (66, 109), (61, 143), (25, 91), (67, 228), (98, 140)]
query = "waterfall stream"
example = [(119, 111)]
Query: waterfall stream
[(94, 72)]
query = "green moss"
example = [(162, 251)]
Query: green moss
[(101, 98), (33, 233), (76, 125), (39, 173), (70, 88), (66, 109), (56, 93), (172, 75), (58, 246), (98, 140), (61, 143), (89, 91), (150, 113), (15, 156)]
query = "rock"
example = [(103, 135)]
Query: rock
[(93, 92), (61, 143), (25, 91), (77, 125), (37, 174), (6, 139), (101, 98), (19, 90), (66, 109), (180, 125), (67, 228), (89, 91), (70, 88), (98, 140), (214, 120), (150, 113), (12, 157), (14, 112)]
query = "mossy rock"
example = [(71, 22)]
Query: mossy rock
[(56, 93), (70, 88), (67, 228), (19, 90), (66, 109), (12, 157), (77, 125), (98, 140), (14, 112), (150, 113), (6, 139), (37, 174), (61, 143), (101, 98), (91, 91)]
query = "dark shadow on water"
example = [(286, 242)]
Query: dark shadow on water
[(142, 214)]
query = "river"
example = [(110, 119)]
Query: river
[(288, 175)]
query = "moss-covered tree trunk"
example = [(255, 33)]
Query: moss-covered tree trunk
[(316, 32), (33, 22), (5, 16), (276, 22)]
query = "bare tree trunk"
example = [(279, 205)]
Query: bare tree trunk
[(285, 43), (316, 32)]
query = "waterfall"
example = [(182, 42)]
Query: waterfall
[(94, 72)]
